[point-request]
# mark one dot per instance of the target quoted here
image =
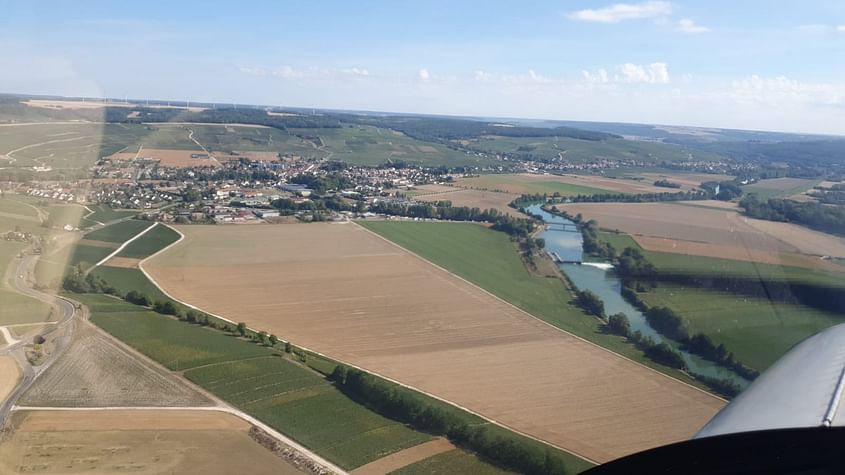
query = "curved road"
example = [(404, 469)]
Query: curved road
[(67, 311)]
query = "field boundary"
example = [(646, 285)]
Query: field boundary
[(539, 319), (117, 251), (386, 378)]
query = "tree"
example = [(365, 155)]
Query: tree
[(287, 347), (273, 340), (590, 303), (191, 316), (166, 307), (618, 324), (242, 329), (262, 337)]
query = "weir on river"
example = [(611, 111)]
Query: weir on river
[(566, 249)]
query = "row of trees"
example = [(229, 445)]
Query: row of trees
[(826, 218), (688, 195), (399, 404), (664, 183)]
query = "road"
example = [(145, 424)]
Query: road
[(61, 331)]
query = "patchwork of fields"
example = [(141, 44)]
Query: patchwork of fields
[(684, 229), (469, 198), (146, 442), (341, 285)]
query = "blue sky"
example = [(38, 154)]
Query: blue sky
[(773, 65)]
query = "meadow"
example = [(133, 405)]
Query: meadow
[(756, 330), (104, 213), (453, 461), (157, 238), (119, 232)]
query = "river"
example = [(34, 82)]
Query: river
[(601, 280)]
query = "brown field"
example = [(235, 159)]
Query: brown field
[(125, 262), (93, 243), (169, 157), (9, 374), (527, 183), (139, 442), (95, 372), (783, 183), (404, 458), (712, 232), (343, 291), (471, 198)]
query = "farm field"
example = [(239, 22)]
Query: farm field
[(288, 397), (524, 183), (686, 180), (17, 308), (670, 263), (9, 374), (156, 238), (119, 232), (342, 282), (140, 442), (454, 461), (104, 213), (684, 229), (95, 372), (756, 330), (780, 187), (372, 146), (575, 150), (172, 158), (471, 199)]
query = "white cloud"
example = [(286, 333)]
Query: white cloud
[(287, 72), (780, 90), (654, 73), (599, 76), (840, 28), (482, 76), (355, 72), (686, 25), (253, 71), (623, 11), (423, 75), (819, 29)]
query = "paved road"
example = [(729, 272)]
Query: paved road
[(62, 329)]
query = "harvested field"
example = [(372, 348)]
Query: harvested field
[(124, 262), (566, 185), (710, 232), (138, 442), (171, 157), (95, 372), (10, 372), (730, 205), (473, 199), (405, 457), (359, 298)]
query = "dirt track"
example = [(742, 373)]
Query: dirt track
[(338, 289)]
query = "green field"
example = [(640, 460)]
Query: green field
[(575, 150), (125, 280), (453, 461), (119, 232), (17, 308), (86, 256), (371, 146), (176, 345), (488, 259), (157, 238), (765, 191), (104, 213), (756, 330), (288, 397)]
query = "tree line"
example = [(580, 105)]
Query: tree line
[(396, 403), (822, 217)]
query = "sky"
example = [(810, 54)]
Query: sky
[(750, 64)]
